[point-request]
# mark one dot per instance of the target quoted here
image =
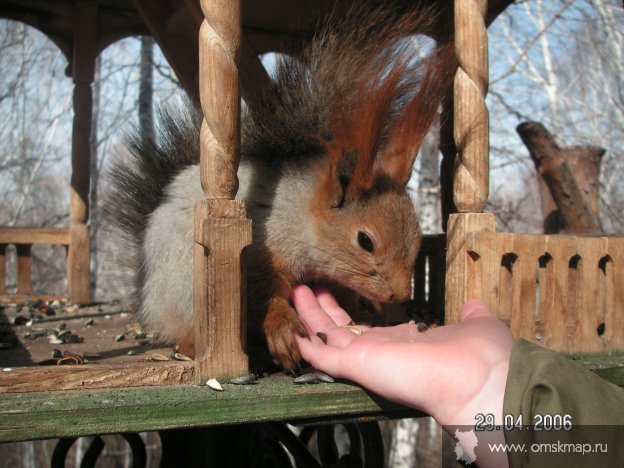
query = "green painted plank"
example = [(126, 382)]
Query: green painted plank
[(609, 366), (28, 416)]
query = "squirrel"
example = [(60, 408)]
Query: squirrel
[(326, 156)]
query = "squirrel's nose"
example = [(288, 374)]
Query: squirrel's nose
[(400, 290)]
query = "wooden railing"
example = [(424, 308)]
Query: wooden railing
[(23, 238), (560, 291)]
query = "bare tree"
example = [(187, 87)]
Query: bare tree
[(559, 63)]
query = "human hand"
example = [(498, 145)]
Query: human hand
[(451, 372)]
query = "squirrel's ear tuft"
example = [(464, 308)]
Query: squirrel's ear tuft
[(358, 121), (409, 129)]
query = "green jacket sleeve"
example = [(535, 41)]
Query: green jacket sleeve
[(570, 416)]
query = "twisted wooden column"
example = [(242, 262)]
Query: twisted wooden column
[(221, 228), (83, 72), (470, 166), (471, 127)]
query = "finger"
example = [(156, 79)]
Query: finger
[(472, 309), (329, 304), (310, 311), (321, 357)]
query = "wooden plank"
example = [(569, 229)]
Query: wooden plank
[(14, 298), (496, 277), (26, 416), (555, 312), (68, 414), (24, 284), (590, 311), (614, 319), (33, 235), (91, 376), (524, 278)]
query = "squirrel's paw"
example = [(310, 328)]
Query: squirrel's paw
[(280, 327)]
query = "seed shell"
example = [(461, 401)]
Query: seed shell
[(214, 385), (159, 357), (323, 377), (245, 380), (181, 357), (309, 378)]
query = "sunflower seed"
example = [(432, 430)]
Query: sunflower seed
[(181, 357), (309, 378), (245, 380), (20, 320), (214, 384), (158, 357), (323, 377)]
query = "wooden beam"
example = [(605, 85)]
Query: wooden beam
[(176, 31), (90, 376), (71, 413), (28, 235)]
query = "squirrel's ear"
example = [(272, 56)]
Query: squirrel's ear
[(410, 128), (339, 182)]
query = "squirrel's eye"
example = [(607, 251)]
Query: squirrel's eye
[(364, 241)]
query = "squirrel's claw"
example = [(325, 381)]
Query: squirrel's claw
[(280, 327)]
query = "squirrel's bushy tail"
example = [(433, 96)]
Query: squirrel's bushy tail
[(139, 175)]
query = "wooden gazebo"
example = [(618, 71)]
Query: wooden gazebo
[(213, 46)]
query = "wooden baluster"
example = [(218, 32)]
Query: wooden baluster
[(24, 284), (3, 269), (83, 69), (471, 126), (221, 228)]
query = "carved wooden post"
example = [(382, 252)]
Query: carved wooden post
[(471, 139), (221, 228), (83, 68)]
